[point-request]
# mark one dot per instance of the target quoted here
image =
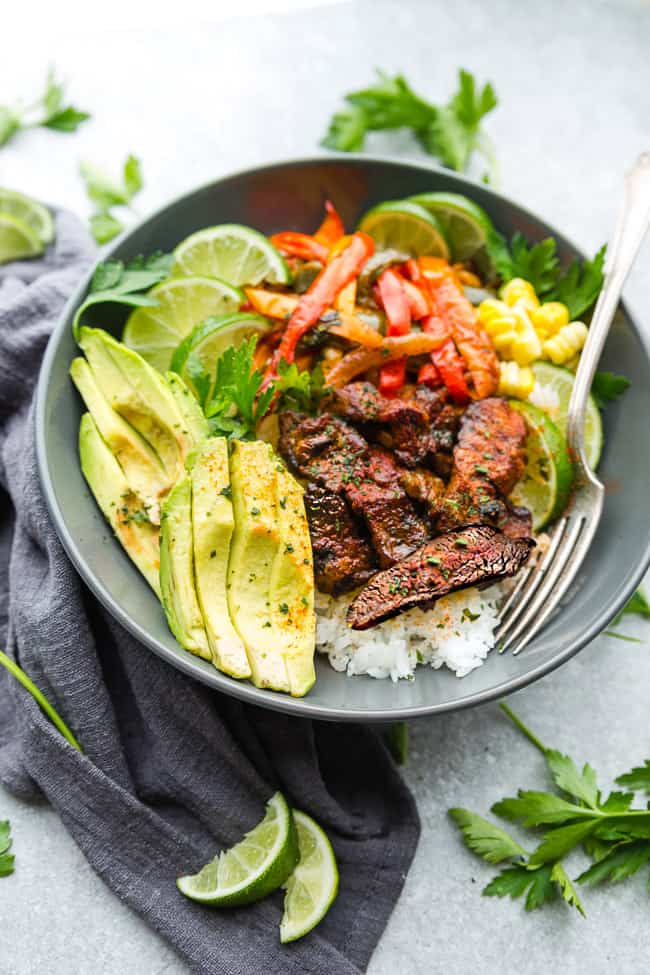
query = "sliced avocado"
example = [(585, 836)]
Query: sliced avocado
[(292, 585), (121, 507), (187, 404), (179, 598), (255, 545), (212, 527), (144, 473), (140, 395)]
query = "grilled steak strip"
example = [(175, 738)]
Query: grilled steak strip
[(474, 555), (328, 451), (488, 462), (343, 558)]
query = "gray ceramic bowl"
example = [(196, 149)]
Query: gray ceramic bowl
[(291, 195)]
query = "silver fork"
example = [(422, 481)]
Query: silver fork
[(541, 587)]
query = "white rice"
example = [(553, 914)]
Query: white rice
[(545, 398), (458, 632)]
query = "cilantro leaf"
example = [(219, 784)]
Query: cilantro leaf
[(579, 286), (622, 862), (451, 132), (113, 282), (638, 778), (347, 130), (638, 605), (49, 111), (537, 808), (568, 891), (607, 386), (482, 837)]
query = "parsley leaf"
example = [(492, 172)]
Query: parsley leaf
[(49, 111), (621, 863), (511, 882), (537, 263), (637, 605), (580, 284), (238, 402), (638, 778), (607, 386), (115, 282), (301, 391), (568, 891), (482, 837), (107, 193), (6, 858), (536, 808), (451, 132)]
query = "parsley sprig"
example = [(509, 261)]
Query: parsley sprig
[(615, 836), (6, 858), (50, 111), (113, 281), (107, 193), (233, 399), (451, 132)]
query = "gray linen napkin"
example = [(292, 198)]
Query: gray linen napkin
[(171, 771)]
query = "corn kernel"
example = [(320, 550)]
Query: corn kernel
[(503, 342), (549, 318), (519, 291), (515, 380), (561, 348), (501, 323), (526, 347), (490, 308)]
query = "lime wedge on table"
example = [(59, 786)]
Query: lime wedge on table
[(155, 331), (405, 226), (209, 339), (560, 381), (232, 252), (17, 239), (465, 224), (255, 867), (34, 214), (546, 485), (313, 885)]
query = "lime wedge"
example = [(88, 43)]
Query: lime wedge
[(255, 867), (313, 885), (552, 394), (209, 339), (546, 485), (31, 212), (405, 226), (183, 303), (233, 253), (465, 224), (17, 239)]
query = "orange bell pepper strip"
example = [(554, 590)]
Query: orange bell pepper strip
[(294, 244), (393, 298), (342, 269), (271, 303), (331, 229)]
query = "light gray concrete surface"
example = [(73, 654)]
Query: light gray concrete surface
[(574, 85)]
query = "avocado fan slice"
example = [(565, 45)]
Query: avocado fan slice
[(212, 528), (292, 586), (255, 544), (120, 506), (196, 424), (179, 598)]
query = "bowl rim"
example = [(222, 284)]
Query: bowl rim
[(244, 690)]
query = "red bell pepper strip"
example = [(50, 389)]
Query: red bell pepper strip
[(294, 244), (418, 304), (392, 296), (343, 268), (429, 376), (331, 229)]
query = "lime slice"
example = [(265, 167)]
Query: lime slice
[(34, 214), (183, 303), (558, 382), (313, 885), (546, 485), (255, 867), (17, 239), (405, 226), (233, 253), (465, 224), (209, 339)]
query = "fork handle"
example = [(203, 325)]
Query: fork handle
[(631, 228)]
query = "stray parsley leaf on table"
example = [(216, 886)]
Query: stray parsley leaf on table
[(107, 193), (614, 835), (451, 132), (6, 858), (50, 111), (607, 386), (124, 284)]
